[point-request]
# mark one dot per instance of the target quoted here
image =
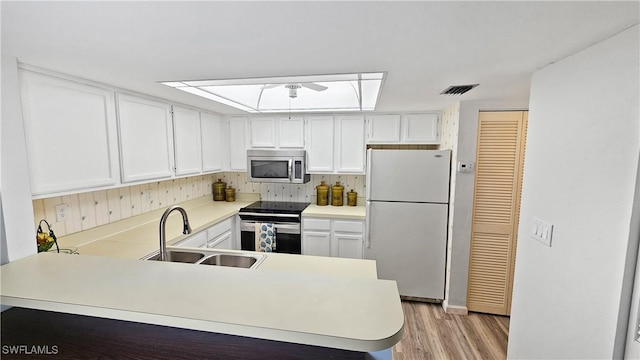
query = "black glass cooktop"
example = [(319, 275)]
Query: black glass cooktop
[(276, 207)]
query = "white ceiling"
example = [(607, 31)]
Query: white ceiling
[(423, 46)]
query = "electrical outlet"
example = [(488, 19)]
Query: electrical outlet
[(542, 231), (147, 195), (62, 212)]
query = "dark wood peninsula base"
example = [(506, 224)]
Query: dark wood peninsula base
[(30, 334)]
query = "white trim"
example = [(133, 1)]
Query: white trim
[(454, 309)]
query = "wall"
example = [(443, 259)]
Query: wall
[(19, 233), (580, 174), (90, 209), (450, 126), (632, 340)]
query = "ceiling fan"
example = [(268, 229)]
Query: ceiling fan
[(293, 88)]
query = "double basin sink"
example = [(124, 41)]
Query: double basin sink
[(211, 257)]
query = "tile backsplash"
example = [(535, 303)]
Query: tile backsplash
[(90, 209)]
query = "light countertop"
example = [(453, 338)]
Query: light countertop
[(323, 301), (138, 236), (345, 312), (335, 212)]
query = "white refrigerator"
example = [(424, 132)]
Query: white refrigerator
[(407, 207)]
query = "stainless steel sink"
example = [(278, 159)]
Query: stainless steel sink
[(212, 257), (242, 261), (180, 256)]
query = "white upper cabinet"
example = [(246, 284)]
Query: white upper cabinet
[(277, 132), (263, 132), (291, 132), (146, 146), (350, 147), (320, 133), (238, 143), (187, 141), (212, 142), (70, 131), (421, 128), (383, 129)]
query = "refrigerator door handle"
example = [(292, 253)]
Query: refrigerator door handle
[(367, 221), (368, 177)]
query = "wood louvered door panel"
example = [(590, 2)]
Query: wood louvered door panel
[(499, 160)]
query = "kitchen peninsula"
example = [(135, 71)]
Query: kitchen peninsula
[(330, 303)]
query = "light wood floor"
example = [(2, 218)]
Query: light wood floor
[(430, 333)]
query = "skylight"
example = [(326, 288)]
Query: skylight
[(314, 93)]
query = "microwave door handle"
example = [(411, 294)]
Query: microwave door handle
[(290, 170)]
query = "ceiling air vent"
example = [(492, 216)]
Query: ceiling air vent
[(458, 89)]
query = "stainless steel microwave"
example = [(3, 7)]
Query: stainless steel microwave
[(280, 166)]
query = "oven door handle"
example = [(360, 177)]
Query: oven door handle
[(290, 169), (282, 228)]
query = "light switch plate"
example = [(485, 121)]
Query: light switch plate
[(542, 231)]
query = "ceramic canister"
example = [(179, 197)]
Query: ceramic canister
[(322, 194), (352, 198), (218, 190), (230, 194), (337, 194)]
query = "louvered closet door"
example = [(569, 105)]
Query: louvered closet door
[(499, 160)]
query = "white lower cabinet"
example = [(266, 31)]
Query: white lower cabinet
[(218, 236), (332, 237), (198, 239)]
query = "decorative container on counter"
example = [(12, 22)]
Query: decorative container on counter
[(219, 190), (322, 190), (230, 194), (337, 194), (352, 198)]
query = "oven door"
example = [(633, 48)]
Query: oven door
[(288, 236)]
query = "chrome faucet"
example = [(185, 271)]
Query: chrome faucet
[(186, 229)]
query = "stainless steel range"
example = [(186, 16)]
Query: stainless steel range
[(285, 217)]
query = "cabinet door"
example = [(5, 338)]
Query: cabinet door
[(211, 130), (70, 130), (221, 242), (196, 240), (320, 144), (316, 243), (383, 129), (421, 128), (350, 147), (347, 245), (263, 132), (238, 143), (187, 141), (291, 132), (146, 145)]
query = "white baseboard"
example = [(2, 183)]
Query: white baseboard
[(454, 309)]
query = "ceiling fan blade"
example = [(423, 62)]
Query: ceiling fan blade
[(270, 86), (314, 86)]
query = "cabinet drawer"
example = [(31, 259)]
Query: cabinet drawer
[(219, 228), (316, 224), (348, 226)]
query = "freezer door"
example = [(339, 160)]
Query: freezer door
[(408, 175), (408, 242)]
